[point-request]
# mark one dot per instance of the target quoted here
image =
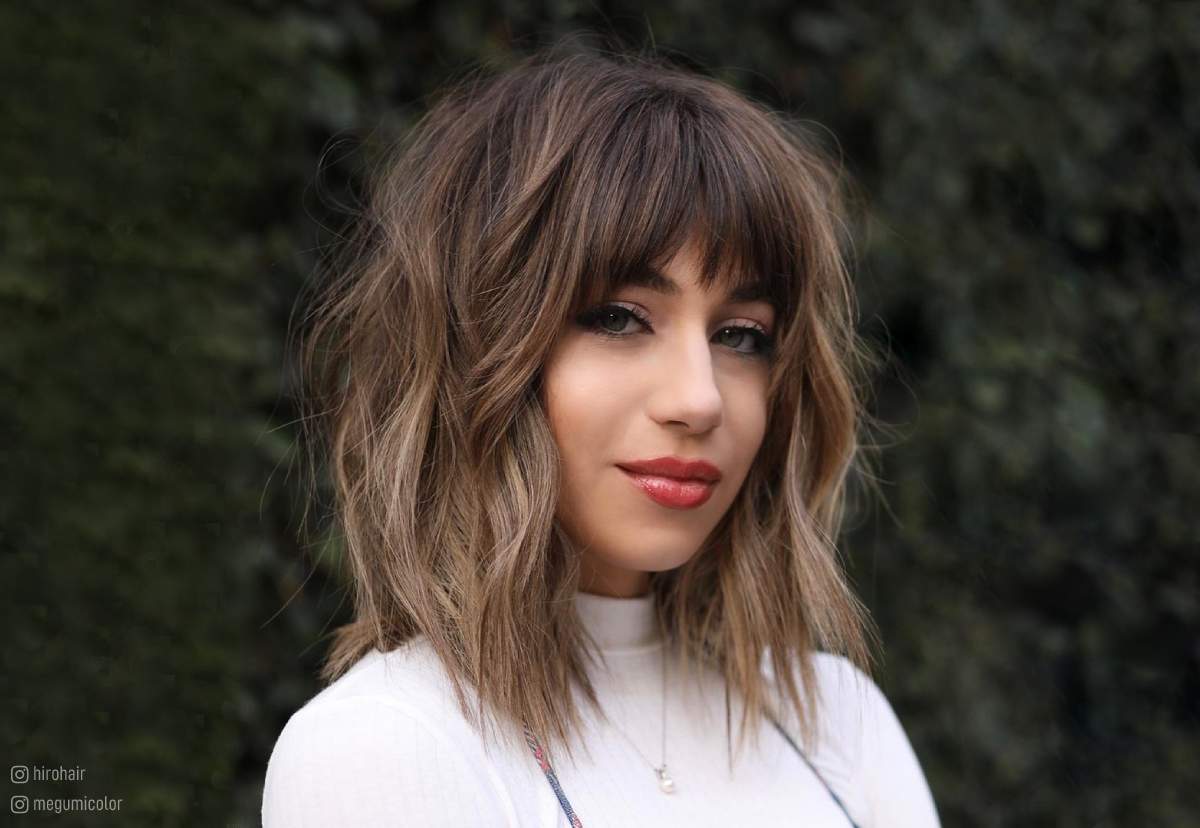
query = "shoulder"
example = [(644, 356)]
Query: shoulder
[(842, 692), (849, 700), (851, 708), (851, 713), (380, 742), (863, 750)]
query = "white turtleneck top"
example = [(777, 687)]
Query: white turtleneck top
[(386, 744)]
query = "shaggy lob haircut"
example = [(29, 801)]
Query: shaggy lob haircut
[(518, 201)]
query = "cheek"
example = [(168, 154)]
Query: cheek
[(747, 419), (580, 396)]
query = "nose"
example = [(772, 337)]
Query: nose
[(686, 391)]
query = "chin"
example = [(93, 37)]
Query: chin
[(663, 562)]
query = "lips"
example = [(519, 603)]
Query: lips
[(674, 482), (675, 467)]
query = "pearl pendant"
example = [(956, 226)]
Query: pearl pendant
[(665, 783)]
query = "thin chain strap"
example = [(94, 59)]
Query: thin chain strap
[(576, 822), (813, 768)]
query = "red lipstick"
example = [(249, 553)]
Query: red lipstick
[(673, 481)]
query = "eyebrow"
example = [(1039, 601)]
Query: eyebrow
[(654, 279)]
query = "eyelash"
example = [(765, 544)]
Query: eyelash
[(591, 319)]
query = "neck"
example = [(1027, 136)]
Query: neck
[(617, 623), (597, 578)]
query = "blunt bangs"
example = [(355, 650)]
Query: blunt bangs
[(668, 169)]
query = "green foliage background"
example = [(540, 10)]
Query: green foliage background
[(170, 172)]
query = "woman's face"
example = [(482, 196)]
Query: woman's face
[(690, 382)]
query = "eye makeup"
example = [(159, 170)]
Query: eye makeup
[(594, 320)]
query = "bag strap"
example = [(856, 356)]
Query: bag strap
[(552, 778)]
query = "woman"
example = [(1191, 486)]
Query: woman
[(589, 379)]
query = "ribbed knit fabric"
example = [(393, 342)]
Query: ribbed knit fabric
[(387, 745)]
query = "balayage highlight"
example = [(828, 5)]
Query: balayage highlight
[(518, 201)]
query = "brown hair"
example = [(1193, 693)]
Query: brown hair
[(518, 200)]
